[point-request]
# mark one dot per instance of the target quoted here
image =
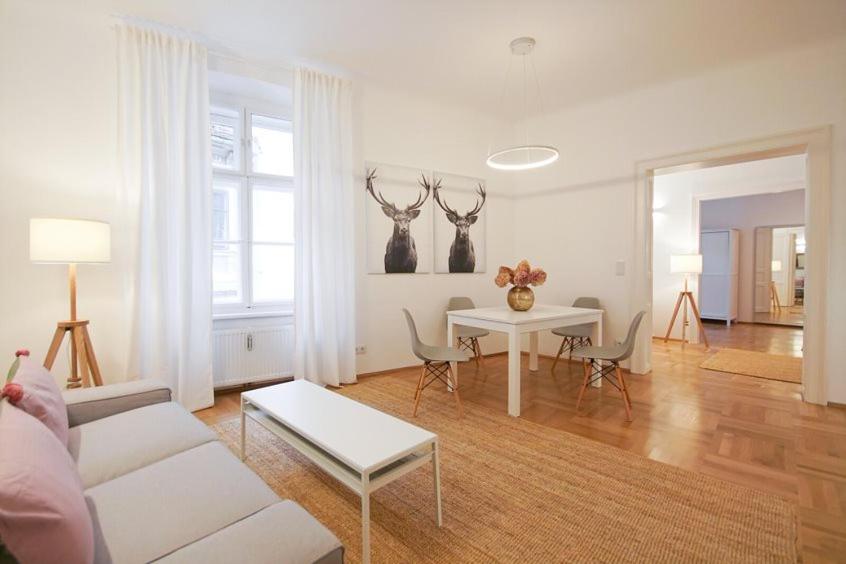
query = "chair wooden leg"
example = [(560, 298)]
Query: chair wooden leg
[(625, 390), (587, 364), (419, 392), (558, 356), (572, 346)]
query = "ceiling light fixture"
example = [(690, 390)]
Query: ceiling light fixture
[(527, 155)]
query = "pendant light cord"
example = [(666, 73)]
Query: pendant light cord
[(501, 100), (525, 110)]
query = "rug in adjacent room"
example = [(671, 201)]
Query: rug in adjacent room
[(759, 364)]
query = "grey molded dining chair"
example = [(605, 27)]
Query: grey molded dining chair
[(592, 357), (575, 336), (468, 337), (435, 364)]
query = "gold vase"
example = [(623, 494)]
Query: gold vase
[(521, 299)]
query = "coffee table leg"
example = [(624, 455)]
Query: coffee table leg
[(365, 518), (437, 472), (243, 432)]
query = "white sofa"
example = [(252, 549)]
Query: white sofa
[(161, 487)]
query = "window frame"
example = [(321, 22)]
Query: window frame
[(246, 179)]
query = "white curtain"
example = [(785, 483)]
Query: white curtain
[(324, 280), (165, 157)]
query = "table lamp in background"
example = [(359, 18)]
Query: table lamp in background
[(776, 302), (687, 265), (71, 242)]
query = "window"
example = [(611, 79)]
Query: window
[(252, 211)]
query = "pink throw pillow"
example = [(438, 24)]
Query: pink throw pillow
[(43, 514), (41, 397)]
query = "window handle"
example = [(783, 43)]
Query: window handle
[(250, 342)]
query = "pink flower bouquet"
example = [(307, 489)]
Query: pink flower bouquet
[(522, 276)]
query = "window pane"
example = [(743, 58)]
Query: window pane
[(272, 146), (226, 274), (273, 273), (226, 217), (273, 215), (225, 139)]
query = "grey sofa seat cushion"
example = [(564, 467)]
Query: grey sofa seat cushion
[(105, 449), (153, 511), (283, 533)]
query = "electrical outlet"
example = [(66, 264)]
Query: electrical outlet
[(361, 349)]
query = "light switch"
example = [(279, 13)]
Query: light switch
[(620, 268)]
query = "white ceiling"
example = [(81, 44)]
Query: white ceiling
[(457, 50)]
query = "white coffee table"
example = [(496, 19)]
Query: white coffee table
[(361, 447)]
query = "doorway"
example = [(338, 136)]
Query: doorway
[(816, 145), (714, 215)]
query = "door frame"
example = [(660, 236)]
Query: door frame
[(816, 145)]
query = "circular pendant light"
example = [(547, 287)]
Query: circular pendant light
[(527, 155)]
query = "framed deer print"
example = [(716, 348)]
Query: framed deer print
[(398, 216), (460, 223)]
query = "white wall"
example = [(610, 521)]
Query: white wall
[(58, 107), (746, 213), (404, 130), (586, 209), (58, 157), (674, 229)]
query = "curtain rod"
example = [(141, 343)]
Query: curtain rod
[(216, 47)]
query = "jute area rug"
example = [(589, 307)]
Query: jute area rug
[(759, 364), (515, 491)]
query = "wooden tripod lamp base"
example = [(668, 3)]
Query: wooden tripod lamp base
[(686, 264), (71, 241), (83, 359), (685, 298)]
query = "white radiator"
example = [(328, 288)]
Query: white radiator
[(252, 354)]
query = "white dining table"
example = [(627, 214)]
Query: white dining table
[(515, 323)]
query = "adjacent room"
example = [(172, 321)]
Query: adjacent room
[(725, 242), (326, 282)]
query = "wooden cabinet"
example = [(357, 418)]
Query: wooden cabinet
[(718, 284)]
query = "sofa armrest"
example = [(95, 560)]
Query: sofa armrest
[(90, 404)]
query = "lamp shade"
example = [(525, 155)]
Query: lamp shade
[(776, 266), (65, 241), (686, 264)]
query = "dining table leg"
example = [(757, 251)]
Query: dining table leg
[(596, 340), (451, 343), (533, 351), (514, 373)]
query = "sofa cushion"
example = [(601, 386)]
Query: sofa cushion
[(281, 533), (43, 514), (107, 448), (41, 397), (160, 508)]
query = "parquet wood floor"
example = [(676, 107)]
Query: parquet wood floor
[(746, 430)]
